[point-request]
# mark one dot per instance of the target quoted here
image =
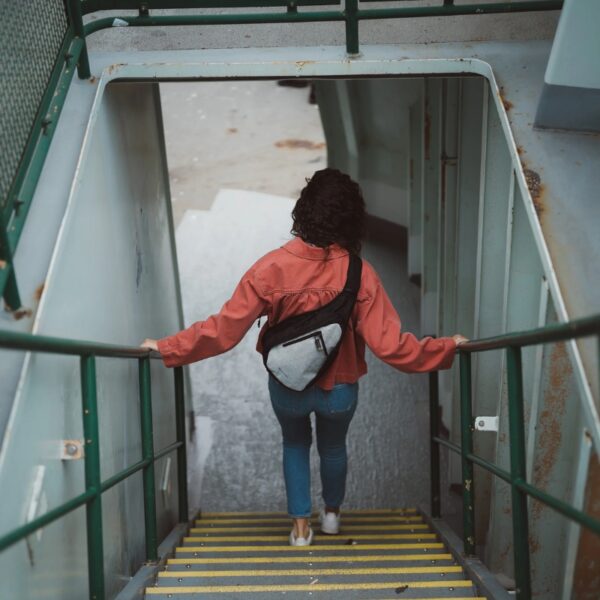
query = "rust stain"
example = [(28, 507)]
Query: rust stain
[(534, 543), (586, 579), (295, 144), (536, 189), (549, 426), (3, 264), (39, 290), (505, 553), (93, 79), (112, 68), (505, 102), (22, 313), (301, 63), (521, 150), (232, 130)]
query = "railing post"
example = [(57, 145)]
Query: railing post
[(518, 472), (76, 22), (92, 477), (8, 279), (181, 451), (434, 447), (351, 14), (466, 426), (148, 455)]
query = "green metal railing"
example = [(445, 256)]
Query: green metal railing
[(94, 485), (20, 174), (520, 489)]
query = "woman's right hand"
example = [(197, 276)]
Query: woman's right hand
[(150, 343), (459, 339)]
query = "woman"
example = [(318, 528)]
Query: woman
[(329, 222)]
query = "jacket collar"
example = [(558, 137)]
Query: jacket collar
[(299, 247)]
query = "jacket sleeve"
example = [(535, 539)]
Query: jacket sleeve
[(220, 332), (379, 326)]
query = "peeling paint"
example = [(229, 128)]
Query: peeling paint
[(536, 189), (549, 434), (586, 579)]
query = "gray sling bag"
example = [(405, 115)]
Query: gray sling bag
[(299, 349)]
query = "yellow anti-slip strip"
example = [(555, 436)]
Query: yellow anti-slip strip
[(286, 520), (307, 559), (280, 538), (211, 529), (305, 587), (384, 511), (312, 572), (354, 547)]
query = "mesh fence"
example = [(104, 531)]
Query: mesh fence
[(31, 33)]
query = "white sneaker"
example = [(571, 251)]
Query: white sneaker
[(330, 522), (301, 541)]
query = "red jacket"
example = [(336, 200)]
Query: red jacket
[(299, 277)]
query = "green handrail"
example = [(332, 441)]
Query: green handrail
[(95, 487), (512, 343), (351, 14)]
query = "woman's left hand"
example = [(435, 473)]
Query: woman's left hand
[(150, 343)]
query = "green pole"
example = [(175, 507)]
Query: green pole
[(76, 22), (517, 472), (92, 477), (181, 451), (8, 280), (148, 454), (466, 425), (434, 448), (351, 17)]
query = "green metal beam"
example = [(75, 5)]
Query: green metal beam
[(550, 333), (26, 179), (40, 343), (16, 535), (89, 6), (520, 518), (560, 506), (221, 19), (91, 432), (456, 10), (76, 22), (466, 423), (148, 454), (182, 488), (434, 448)]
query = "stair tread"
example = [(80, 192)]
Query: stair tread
[(378, 554)]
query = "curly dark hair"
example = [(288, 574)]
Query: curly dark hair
[(331, 210)]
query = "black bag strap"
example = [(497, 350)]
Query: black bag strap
[(353, 276)]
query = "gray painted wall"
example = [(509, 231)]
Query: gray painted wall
[(111, 280)]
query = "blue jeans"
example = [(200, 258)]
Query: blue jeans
[(333, 410)]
